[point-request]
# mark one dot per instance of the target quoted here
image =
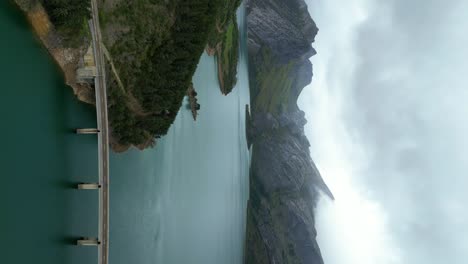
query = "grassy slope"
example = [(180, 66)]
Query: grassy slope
[(229, 57), (224, 40), (272, 85)]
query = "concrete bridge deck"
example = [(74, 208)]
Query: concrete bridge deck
[(103, 136)]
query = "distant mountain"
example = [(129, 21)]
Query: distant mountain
[(284, 181)]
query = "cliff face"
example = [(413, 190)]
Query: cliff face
[(284, 182), (285, 26)]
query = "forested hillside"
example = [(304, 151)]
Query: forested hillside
[(152, 48)]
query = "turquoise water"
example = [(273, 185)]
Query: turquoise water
[(185, 201), (182, 202)]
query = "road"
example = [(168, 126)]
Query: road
[(103, 136)]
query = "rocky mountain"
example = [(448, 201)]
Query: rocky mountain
[(284, 182)]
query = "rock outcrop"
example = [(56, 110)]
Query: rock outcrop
[(285, 26), (68, 59), (284, 182)]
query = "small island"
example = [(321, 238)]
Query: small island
[(193, 101)]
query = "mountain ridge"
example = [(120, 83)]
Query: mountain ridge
[(285, 184)]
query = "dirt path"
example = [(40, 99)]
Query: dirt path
[(114, 70)]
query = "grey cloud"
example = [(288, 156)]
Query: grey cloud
[(408, 127), (407, 105)]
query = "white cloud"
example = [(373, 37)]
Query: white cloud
[(388, 125)]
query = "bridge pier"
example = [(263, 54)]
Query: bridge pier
[(87, 241), (88, 186), (85, 131)]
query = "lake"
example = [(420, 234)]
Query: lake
[(181, 202)]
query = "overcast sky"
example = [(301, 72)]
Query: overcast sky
[(388, 125)]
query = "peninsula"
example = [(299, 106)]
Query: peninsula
[(151, 48), (223, 43)]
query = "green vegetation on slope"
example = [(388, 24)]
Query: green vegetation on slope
[(155, 48), (224, 42), (272, 86), (225, 15), (228, 58), (70, 18)]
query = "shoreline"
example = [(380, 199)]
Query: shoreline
[(70, 60), (216, 52), (67, 59), (226, 52)]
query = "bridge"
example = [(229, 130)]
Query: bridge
[(102, 132)]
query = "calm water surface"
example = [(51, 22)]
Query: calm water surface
[(182, 202)]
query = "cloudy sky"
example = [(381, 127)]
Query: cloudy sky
[(388, 125)]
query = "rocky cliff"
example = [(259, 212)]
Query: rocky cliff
[(284, 182)]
